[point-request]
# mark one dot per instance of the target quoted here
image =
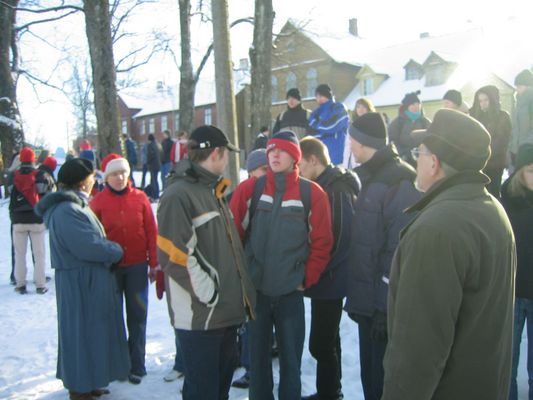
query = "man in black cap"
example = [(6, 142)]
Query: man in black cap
[(206, 279), (387, 189), (450, 308), (523, 114), (295, 117), (329, 123)]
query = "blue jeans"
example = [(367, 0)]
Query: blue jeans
[(133, 285), (371, 353), (178, 360), (286, 314), (154, 182), (209, 361), (523, 314), (244, 336), (165, 169)]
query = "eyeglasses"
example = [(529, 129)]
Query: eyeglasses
[(416, 153)]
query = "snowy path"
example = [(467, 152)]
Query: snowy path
[(28, 346)]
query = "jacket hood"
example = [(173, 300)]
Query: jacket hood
[(333, 174), (493, 94), (45, 207)]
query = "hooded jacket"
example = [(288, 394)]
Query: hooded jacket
[(206, 278), (450, 309), (497, 122), (522, 120)]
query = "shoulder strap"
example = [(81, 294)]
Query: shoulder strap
[(258, 191), (305, 193)]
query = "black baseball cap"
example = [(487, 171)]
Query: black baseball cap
[(209, 137)]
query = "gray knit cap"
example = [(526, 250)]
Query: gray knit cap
[(256, 159)]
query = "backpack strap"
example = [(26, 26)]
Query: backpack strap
[(305, 194)]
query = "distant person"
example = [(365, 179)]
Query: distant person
[(362, 107), (87, 152), (451, 286), (262, 138), (523, 115), (166, 150), (153, 164), (329, 123), (29, 185), (131, 156), (144, 162), (295, 118), (327, 296), (453, 100), (517, 199), (42, 156), (487, 109), (47, 168), (410, 117), (92, 346), (387, 188), (179, 148), (128, 220)]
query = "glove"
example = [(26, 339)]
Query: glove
[(378, 330), (159, 284), (152, 273)]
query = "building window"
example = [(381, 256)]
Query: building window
[(124, 127), (164, 123), (274, 82), (208, 116), (368, 86), (436, 75), (413, 71), (151, 125), (142, 126), (176, 121), (312, 82), (291, 44), (291, 81)]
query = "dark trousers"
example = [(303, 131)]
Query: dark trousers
[(131, 173), (12, 276), (286, 314), (371, 353), (154, 182), (209, 361), (325, 346), (143, 178), (178, 359), (133, 285)]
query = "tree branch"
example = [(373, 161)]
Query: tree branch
[(41, 21), (42, 10)]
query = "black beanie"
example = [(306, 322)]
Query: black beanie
[(524, 78), (74, 171), (324, 90), (454, 96), (370, 130), (294, 93), (524, 156), (411, 98)]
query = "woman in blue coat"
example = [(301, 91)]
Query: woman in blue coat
[(92, 346)]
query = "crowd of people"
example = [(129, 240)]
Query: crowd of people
[(404, 226)]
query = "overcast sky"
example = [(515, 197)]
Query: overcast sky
[(384, 20)]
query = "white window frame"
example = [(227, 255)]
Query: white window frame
[(208, 116), (151, 125), (124, 127), (312, 81), (164, 123)]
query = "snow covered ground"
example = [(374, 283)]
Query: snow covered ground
[(28, 346)]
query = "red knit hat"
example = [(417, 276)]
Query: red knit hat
[(85, 145), (114, 162), (27, 155), (50, 162), (286, 141)]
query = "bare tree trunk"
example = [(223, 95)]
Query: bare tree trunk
[(11, 134), (187, 82), (261, 62), (226, 113), (98, 29)]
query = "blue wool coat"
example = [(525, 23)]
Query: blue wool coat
[(92, 346)]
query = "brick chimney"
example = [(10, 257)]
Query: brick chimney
[(352, 27)]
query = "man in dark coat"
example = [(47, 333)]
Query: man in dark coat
[(387, 189), (131, 155), (166, 164), (523, 115), (153, 163), (295, 117), (328, 294), (450, 306)]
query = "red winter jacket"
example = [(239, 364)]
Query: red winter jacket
[(178, 151), (128, 220)]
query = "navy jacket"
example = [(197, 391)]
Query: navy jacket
[(342, 188), (387, 190)]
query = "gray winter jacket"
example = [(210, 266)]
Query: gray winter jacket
[(522, 121)]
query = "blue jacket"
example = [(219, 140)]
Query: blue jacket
[(93, 350), (342, 188), (131, 152), (329, 123), (387, 190)]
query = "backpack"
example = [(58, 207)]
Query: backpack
[(24, 195)]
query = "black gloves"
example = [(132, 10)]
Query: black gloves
[(378, 331)]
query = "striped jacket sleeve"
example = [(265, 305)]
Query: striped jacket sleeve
[(177, 250)]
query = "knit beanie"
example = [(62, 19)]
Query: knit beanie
[(294, 93), (74, 171), (370, 130), (411, 98), (324, 90), (524, 156), (524, 78), (27, 155), (85, 145), (454, 96), (50, 163), (256, 159), (114, 163), (286, 141)]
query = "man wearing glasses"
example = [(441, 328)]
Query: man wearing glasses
[(450, 308), (387, 189)]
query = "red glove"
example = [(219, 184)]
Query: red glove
[(160, 284)]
